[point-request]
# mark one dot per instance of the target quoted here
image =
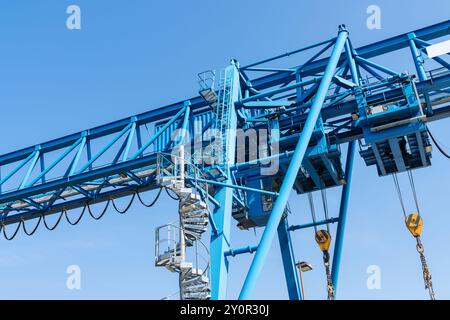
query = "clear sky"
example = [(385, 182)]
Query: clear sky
[(133, 56)]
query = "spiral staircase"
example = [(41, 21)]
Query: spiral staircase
[(178, 245)]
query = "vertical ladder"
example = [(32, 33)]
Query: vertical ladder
[(222, 113)]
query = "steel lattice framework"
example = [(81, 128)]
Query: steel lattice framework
[(337, 95)]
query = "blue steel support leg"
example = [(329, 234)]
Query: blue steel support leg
[(287, 254), (343, 214), (284, 236), (222, 215), (346, 188), (294, 166)]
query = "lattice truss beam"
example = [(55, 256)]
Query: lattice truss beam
[(119, 158)]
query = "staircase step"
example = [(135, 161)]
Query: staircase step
[(170, 263), (197, 271), (197, 296), (170, 254), (191, 238), (183, 192), (192, 211), (195, 280), (162, 262), (186, 266), (200, 221), (169, 179), (198, 218), (195, 285), (195, 229), (196, 289), (190, 199), (193, 233), (187, 207)]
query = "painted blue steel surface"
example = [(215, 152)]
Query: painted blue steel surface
[(312, 104), (219, 243), (343, 209), (288, 182), (256, 216), (288, 257)]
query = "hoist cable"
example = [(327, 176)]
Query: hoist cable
[(414, 225), (441, 150), (325, 207), (399, 193), (313, 211), (413, 188)]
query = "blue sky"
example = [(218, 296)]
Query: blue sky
[(133, 56)]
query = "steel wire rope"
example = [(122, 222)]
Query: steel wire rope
[(413, 188), (399, 193), (313, 210), (325, 207)]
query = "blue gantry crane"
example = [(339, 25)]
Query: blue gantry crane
[(237, 150)]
